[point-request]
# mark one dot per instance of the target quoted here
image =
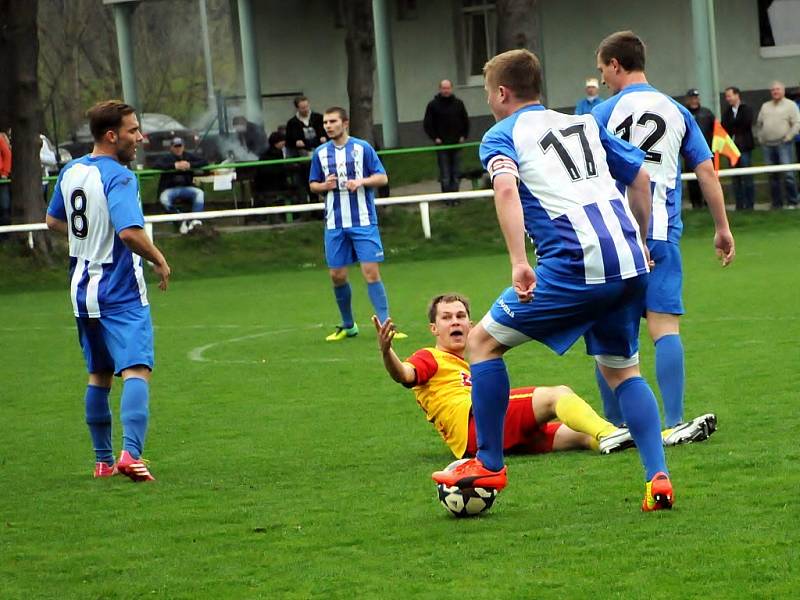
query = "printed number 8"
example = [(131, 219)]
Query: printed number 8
[(78, 221)]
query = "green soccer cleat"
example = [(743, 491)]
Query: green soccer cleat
[(341, 333)]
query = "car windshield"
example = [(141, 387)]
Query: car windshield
[(158, 122)]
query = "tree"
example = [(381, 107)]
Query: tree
[(20, 49), (519, 26), (360, 47)]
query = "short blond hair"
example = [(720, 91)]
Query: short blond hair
[(518, 70)]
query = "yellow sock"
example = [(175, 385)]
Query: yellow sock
[(575, 413)]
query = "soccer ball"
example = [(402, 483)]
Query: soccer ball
[(466, 502)]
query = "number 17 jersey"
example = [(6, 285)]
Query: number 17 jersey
[(98, 198), (576, 217)]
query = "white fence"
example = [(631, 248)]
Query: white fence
[(423, 200)]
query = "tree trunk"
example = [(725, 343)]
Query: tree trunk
[(360, 47), (519, 26), (26, 115)]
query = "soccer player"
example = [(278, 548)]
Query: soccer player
[(553, 176), (347, 170), (665, 131), (96, 203), (440, 379)]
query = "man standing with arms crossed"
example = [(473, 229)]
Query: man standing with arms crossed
[(665, 131), (553, 177), (96, 203)]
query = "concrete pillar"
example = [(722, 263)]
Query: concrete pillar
[(385, 64), (705, 49), (212, 101), (252, 77), (123, 13)]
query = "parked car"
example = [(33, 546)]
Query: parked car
[(157, 129)]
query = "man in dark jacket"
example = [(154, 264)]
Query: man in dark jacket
[(304, 130), (176, 183), (737, 120), (446, 122), (705, 120)]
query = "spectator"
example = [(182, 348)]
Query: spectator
[(271, 181), (5, 172), (797, 137), (776, 126), (737, 120), (177, 182), (705, 120), (446, 122), (304, 130), (592, 99), (250, 135), (49, 161)]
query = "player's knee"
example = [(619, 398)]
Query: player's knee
[(562, 390), (338, 276)]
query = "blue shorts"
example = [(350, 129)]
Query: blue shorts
[(607, 316), (345, 246), (665, 290), (116, 342)]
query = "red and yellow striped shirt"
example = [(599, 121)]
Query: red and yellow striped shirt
[(443, 391)]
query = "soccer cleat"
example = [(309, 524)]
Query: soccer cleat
[(341, 333), (399, 335), (470, 474), (617, 440), (696, 430), (658, 493), (135, 468), (102, 469)]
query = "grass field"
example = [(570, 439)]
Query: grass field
[(292, 468)]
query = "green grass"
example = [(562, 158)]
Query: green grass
[(291, 468)]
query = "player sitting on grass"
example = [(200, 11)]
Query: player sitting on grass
[(440, 378)]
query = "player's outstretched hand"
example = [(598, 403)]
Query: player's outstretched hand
[(524, 281), (163, 272), (385, 333), (726, 249)]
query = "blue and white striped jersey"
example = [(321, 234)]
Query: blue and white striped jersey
[(98, 198), (354, 160), (665, 130), (578, 220)]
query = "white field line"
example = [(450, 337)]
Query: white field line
[(197, 354)]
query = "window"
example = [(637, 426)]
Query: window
[(478, 20), (777, 21)]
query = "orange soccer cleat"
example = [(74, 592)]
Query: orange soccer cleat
[(472, 473), (658, 493), (102, 469), (135, 468)]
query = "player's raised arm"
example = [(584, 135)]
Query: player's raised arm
[(397, 369), (712, 192)]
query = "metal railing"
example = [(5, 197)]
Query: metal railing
[(423, 200)]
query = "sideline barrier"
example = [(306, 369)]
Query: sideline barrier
[(423, 200)]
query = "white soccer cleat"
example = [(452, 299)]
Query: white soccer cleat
[(617, 440), (696, 430)]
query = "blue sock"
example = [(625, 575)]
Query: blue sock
[(98, 418), (377, 295), (490, 389), (671, 377), (640, 410), (611, 407), (134, 413), (343, 296)]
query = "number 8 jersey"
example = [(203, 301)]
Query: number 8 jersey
[(98, 198), (665, 130), (576, 217)]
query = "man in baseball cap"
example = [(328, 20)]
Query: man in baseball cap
[(592, 99)]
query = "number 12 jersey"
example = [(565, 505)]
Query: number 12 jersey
[(98, 198)]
